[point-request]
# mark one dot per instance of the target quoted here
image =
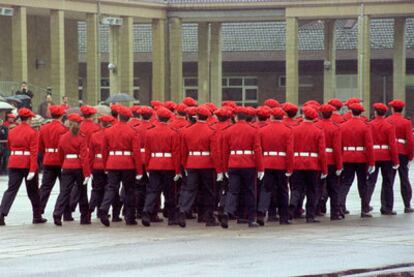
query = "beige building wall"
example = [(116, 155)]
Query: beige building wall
[(72, 63), (5, 49)]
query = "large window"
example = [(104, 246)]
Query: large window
[(191, 87)]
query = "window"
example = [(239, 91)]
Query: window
[(191, 87), (304, 81), (137, 85), (243, 90), (104, 88)]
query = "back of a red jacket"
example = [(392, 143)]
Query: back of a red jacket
[(49, 136), (22, 142), (404, 134), (73, 152), (333, 142), (383, 138)]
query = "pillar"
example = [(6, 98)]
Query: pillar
[(57, 50), (216, 73), (399, 60), (126, 65), (159, 66), (93, 63), (176, 60), (329, 72), (292, 60), (203, 62), (114, 58), (364, 60), (19, 44)]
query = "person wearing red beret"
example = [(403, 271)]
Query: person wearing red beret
[(122, 160), (405, 144), (386, 158), (170, 105), (73, 155), (201, 160), (190, 102), (336, 115), (162, 161), (100, 178), (271, 103), (49, 137), (358, 158), (22, 142), (263, 115), (330, 187), (180, 119), (251, 114), (243, 163), (348, 103), (276, 140), (88, 126), (135, 120), (291, 112), (309, 163), (191, 115)]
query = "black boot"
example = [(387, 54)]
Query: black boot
[(39, 220), (103, 216), (261, 218), (181, 219), (146, 219), (68, 217), (224, 221), (85, 219), (2, 223), (57, 220)]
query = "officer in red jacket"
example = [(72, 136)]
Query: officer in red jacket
[(162, 161), (100, 178), (309, 163), (243, 162), (180, 119), (49, 137), (73, 153), (336, 115), (358, 158), (136, 116), (88, 126), (386, 158), (122, 160), (263, 115), (200, 158), (291, 112), (22, 142), (276, 140), (333, 140), (405, 145)]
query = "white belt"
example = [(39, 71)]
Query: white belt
[(353, 148), (381, 146), (274, 153), (99, 156), (71, 156), (20, 153), (199, 153), (241, 152), (306, 154), (120, 153), (161, 155), (142, 150), (402, 141), (51, 150), (329, 150)]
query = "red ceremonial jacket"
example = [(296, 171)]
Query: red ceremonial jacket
[(75, 145), (24, 139), (49, 136), (383, 138), (88, 127), (95, 150), (333, 141), (404, 134), (142, 133)]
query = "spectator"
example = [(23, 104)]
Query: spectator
[(4, 152), (24, 90), (65, 103), (44, 107)]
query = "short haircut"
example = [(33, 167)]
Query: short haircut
[(146, 116), (291, 114), (398, 109), (326, 115), (222, 118), (163, 119), (380, 112), (356, 112), (242, 116), (202, 117), (123, 118)]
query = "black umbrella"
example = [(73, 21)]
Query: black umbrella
[(14, 99), (22, 97), (120, 97)]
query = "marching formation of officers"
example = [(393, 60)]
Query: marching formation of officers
[(233, 162)]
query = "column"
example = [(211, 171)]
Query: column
[(57, 50), (114, 58), (216, 64), (126, 65), (19, 44), (329, 72), (176, 60), (159, 65), (399, 65), (93, 63), (364, 60), (203, 62), (292, 60)]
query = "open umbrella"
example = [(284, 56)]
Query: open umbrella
[(22, 97), (120, 97), (103, 110), (74, 110), (13, 99), (4, 106)]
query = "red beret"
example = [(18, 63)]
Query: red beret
[(263, 111), (396, 103), (135, 109), (224, 112), (380, 107), (356, 107), (309, 112), (251, 111), (271, 103), (170, 105), (106, 118), (164, 112), (57, 110), (351, 101), (229, 103), (287, 107), (278, 112), (211, 106), (88, 110), (10, 115), (313, 103), (202, 110), (181, 108), (241, 109), (191, 111), (75, 117), (156, 103), (336, 103), (24, 112), (115, 107), (326, 108), (189, 101), (146, 110), (124, 111)]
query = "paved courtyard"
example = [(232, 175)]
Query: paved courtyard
[(273, 250)]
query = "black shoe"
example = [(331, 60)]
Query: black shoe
[(366, 215), (284, 222), (103, 216), (172, 222), (260, 220), (146, 220), (131, 222), (156, 219), (57, 220), (336, 217), (116, 219), (212, 223), (312, 220), (388, 212), (224, 221), (408, 210), (253, 224), (39, 220), (85, 219), (273, 218), (181, 219), (346, 212), (242, 221), (68, 218), (2, 222)]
